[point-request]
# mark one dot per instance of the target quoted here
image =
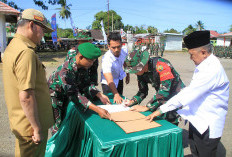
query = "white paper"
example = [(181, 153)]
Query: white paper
[(115, 108)]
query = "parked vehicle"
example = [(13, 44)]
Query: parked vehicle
[(100, 43)]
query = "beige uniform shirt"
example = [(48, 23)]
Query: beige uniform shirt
[(23, 70)]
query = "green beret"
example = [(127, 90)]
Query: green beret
[(89, 50)]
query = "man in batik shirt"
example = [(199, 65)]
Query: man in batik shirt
[(68, 83), (161, 75)]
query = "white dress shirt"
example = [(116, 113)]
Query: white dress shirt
[(114, 65), (205, 101)]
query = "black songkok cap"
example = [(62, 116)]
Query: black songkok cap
[(197, 39)]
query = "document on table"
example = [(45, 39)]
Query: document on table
[(132, 121), (115, 108)]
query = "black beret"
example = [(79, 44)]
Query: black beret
[(197, 39)]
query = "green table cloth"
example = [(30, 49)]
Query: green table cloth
[(86, 134)]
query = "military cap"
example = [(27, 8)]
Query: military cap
[(89, 50), (37, 17), (197, 39), (136, 60)]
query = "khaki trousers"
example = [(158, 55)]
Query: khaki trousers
[(25, 147)]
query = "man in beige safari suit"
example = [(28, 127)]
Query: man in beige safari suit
[(25, 85)]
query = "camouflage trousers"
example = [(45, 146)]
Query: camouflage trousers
[(59, 111)]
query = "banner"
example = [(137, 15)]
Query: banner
[(103, 32), (75, 33), (122, 33), (53, 25)]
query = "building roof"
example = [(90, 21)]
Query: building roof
[(226, 35), (142, 35), (6, 9), (96, 34), (214, 34), (173, 34), (10, 13)]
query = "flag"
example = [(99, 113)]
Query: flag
[(103, 32), (53, 25), (73, 27)]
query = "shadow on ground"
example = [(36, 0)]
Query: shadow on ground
[(51, 56)]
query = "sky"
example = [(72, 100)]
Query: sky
[(162, 14)]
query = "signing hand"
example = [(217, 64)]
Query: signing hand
[(103, 113), (139, 108), (37, 137), (128, 102), (118, 99), (153, 115), (104, 99)]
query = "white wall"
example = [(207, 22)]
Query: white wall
[(220, 41), (2, 32), (173, 43)]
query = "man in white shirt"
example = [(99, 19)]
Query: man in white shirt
[(112, 72), (204, 103)]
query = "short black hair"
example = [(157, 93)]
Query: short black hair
[(115, 36)]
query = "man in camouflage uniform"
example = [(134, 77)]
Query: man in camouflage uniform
[(156, 49), (161, 75), (91, 72), (83, 37), (68, 83)]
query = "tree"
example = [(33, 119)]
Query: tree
[(64, 10), (65, 33), (172, 30), (188, 30), (140, 29), (117, 20), (200, 25), (230, 28), (152, 30), (128, 28), (40, 3)]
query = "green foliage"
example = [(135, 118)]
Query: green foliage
[(65, 33), (172, 30), (140, 29), (189, 30), (152, 30), (128, 28), (41, 3), (117, 20), (230, 28), (200, 25), (64, 12)]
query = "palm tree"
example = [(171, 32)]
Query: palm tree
[(64, 10), (200, 25), (189, 30)]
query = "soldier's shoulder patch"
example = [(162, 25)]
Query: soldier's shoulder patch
[(164, 71), (159, 67)]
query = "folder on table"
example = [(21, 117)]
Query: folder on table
[(131, 121)]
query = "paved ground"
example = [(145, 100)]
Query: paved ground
[(182, 64)]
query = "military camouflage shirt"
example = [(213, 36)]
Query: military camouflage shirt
[(92, 71), (163, 77), (70, 83)]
